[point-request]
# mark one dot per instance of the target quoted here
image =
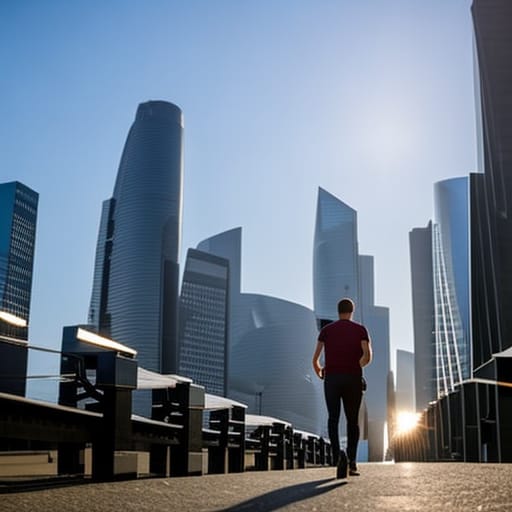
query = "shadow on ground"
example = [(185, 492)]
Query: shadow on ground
[(286, 496)]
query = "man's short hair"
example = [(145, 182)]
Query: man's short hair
[(345, 306)]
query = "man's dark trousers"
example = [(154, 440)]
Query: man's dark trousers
[(348, 388)]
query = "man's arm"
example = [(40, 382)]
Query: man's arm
[(366, 358), (316, 356)]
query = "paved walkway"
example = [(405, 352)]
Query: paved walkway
[(381, 487)]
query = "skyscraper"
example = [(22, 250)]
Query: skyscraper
[(135, 290), (491, 212), (376, 319), (450, 244), (203, 321), (227, 244), (18, 216), (422, 281), (335, 256), (339, 271), (404, 398)]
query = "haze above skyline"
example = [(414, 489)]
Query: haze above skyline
[(371, 100)]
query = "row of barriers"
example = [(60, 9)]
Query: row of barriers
[(105, 445), (92, 431)]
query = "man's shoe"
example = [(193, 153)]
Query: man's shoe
[(352, 470), (342, 468)]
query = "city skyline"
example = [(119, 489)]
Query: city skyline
[(267, 124)]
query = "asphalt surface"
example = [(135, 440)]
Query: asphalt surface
[(400, 487)]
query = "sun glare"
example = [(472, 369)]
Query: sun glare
[(389, 134), (406, 422)]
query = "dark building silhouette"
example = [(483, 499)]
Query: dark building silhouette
[(420, 247), (492, 193)]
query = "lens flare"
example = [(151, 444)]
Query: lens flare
[(406, 422)]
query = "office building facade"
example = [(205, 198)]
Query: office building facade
[(135, 290), (228, 245), (203, 321), (18, 218)]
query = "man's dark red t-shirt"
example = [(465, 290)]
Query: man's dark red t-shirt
[(342, 344)]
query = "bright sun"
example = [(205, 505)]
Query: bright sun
[(406, 421)]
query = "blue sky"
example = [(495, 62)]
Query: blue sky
[(372, 100)]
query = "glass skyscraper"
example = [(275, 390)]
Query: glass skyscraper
[(335, 256), (340, 271), (450, 246), (135, 290), (18, 216), (203, 321)]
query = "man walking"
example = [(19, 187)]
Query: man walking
[(347, 350)]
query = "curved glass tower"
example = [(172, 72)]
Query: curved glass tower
[(335, 256), (135, 290), (450, 246)]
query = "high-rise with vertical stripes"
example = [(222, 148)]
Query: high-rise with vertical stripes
[(18, 216), (135, 289)]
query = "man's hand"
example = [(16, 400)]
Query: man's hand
[(366, 358), (319, 370)]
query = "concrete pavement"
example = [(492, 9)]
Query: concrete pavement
[(400, 487)]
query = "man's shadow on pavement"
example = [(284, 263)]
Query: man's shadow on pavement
[(274, 500)]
